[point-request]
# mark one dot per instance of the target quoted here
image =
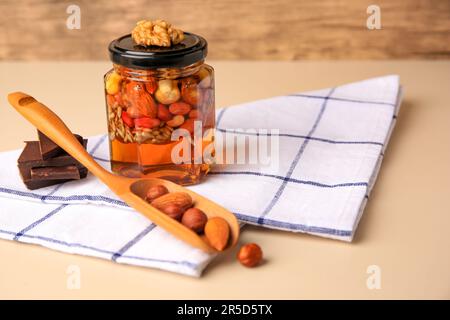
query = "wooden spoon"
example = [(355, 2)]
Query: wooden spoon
[(131, 190)]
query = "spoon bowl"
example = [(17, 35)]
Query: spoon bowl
[(131, 190)]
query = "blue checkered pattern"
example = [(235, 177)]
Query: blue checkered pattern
[(44, 224), (332, 142)]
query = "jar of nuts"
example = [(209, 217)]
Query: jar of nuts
[(160, 104)]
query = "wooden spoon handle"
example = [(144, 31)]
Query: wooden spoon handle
[(53, 127)]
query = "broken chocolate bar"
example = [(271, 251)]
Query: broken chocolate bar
[(31, 157), (55, 173), (49, 149), (38, 171), (33, 184)]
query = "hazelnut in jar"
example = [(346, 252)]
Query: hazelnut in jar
[(160, 101)]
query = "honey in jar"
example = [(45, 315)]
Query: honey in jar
[(152, 94)]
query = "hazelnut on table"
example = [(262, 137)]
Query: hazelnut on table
[(250, 255)]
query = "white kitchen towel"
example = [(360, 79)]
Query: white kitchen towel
[(331, 143)]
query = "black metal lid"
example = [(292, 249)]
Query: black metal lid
[(124, 51)]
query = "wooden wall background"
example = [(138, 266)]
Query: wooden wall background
[(235, 29)]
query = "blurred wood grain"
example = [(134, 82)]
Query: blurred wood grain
[(235, 29)]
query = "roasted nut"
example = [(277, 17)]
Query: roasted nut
[(176, 35), (151, 85), (148, 33), (167, 91), (176, 121), (174, 211), (112, 83), (127, 119), (217, 232), (155, 192), (189, 91), (182, 199), (188, 125), (163, 113), (250, 255), (195, 114), (156, 33), (141, 103), (179, 108), (195, 219), (140, 137), (146, 122), (134, 112)]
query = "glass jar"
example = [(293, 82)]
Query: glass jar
[(160, 110)]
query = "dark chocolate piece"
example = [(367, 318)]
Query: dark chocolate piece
[(31, 157), (37, 184), (49, 149), (37, 172), (55, 173)]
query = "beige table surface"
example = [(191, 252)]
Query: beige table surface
[(405, 229)]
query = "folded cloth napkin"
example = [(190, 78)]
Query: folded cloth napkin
[(331, 144)]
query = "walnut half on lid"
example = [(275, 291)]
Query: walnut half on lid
[(156, 33)]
